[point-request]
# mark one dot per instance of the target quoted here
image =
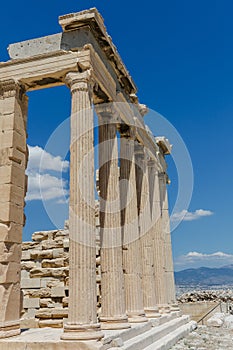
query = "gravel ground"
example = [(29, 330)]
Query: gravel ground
[(207, 338)]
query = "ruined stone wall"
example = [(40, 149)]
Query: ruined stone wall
[(45, 279)]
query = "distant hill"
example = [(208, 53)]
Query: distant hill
[(205, 276)]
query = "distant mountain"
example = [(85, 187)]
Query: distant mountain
[(205, 276)]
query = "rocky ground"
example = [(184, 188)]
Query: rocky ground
[(207, 338), (206, 295)]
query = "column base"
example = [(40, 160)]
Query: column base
[(152, 312), (137, 318), (164, 308), (82, 332), (9, 329), (114, 323)]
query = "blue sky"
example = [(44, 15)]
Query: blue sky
[(180, 55)]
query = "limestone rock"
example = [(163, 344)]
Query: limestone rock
[(50, 244), (59, 262), (44, 235), (228, 322), (49, 272), (42, 254), (216, 320), (46, 302), (50, 323), (28, 265), (52, 313)]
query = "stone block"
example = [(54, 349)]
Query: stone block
[(59, 253), (57, 292), (53, 262), (29, 323), (55, 283), (50, 323), (12, 193), (11, 155), (49, 272), (28, 265), (12, 174), (29, 245), (11, 232), (44, 281), (228, 322), (40, 293), (9, 138), (30, 313), (43, 235), (10, 212), (47, 313), (10, 252), (10, 120), (44, 313), (10, 302), (42, 254), (50, 244), (31, 303), (24, 274), (62, 234), (26, 255), (10, 272), (30, 283), (60, 313), (216, 320), (46, 303)]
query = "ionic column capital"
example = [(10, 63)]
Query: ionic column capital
[(80, 81), (107, 113)]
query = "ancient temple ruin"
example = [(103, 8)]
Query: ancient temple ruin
[(138, 303)]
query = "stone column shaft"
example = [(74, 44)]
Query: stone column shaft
[(157, 236), (13, 161), (168, 264), (82, 317), (132, 263), (148, 278), (113, 311)]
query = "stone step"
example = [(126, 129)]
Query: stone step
[(172, 338), (113, 337), (153, 335)]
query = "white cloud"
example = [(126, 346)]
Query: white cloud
[(46, 187), (197, 259), (185, 215), (40, 159), (42, 184), (220, 255)]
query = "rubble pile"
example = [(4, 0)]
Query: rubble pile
[(206, 295)]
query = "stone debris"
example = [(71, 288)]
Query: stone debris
[(206, 338), (216, 320), (228, 322), (45, 279), (206, 295), (216, 335)]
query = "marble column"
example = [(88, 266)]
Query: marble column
[(113, 310), (13, 161), (82, 317), (158, 238), (146, 242), (168, 263), (132, 262)]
